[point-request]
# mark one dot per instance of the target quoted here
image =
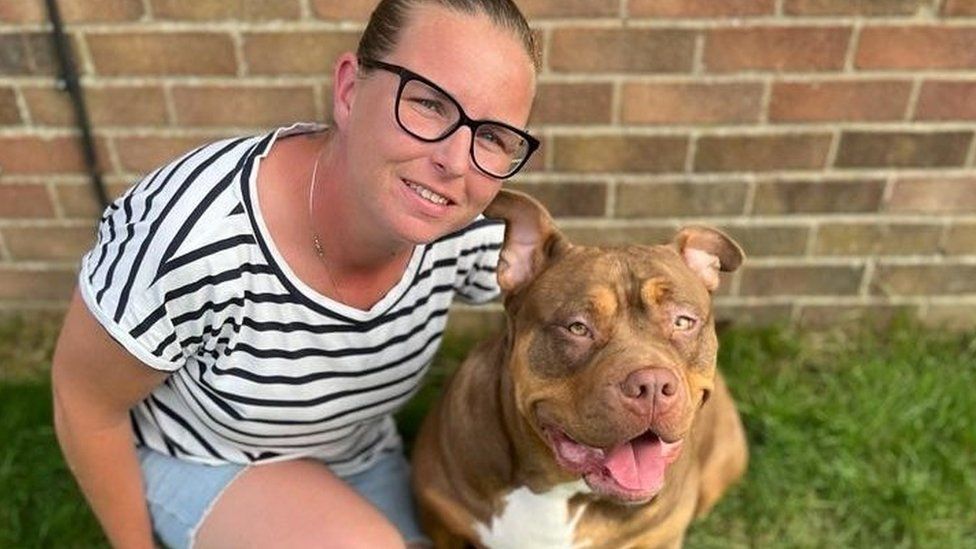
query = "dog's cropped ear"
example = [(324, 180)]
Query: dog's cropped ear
[(531, 238), (707, 251)]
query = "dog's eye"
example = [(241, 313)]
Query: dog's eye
[(578, 329), (684, 323)]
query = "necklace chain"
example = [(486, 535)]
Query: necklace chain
[(316, 241)]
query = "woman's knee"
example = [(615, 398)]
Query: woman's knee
[(294, 504)]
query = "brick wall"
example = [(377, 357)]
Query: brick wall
[(834, 139)]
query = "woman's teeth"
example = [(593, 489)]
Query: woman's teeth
[(427, 194)]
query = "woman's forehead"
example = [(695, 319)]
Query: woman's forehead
[(484, 66)]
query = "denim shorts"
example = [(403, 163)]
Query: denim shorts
[(181, 493)]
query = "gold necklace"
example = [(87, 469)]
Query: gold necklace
[(316, 241)]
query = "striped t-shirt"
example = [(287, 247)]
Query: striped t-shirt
[(185, 276)]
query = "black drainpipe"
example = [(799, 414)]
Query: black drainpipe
[(69, 82)]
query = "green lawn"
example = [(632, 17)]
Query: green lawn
[(856, 441)]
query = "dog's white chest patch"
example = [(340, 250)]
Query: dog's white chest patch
[(531, 520)]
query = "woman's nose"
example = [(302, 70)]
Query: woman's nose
[(452, 156)]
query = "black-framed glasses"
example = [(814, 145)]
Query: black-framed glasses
[(430, 114)]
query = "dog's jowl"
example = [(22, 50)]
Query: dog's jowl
[(598, 419)]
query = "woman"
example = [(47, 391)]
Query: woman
[(262, 305)]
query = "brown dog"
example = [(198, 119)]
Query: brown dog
[(598, 419)]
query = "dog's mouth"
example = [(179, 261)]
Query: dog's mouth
[(632, 472)]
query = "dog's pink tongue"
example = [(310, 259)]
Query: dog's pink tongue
[(638, 464)]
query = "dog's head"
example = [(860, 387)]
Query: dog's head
[(612, 350)]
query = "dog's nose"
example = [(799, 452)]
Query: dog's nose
[(653, 389)]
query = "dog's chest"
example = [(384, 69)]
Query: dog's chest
[(529, 520)]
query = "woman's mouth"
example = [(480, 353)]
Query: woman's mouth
[(427, 194)]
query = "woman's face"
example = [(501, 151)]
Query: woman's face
[(416, 191)]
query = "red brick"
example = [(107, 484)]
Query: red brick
[(847, 239), (800, 280), (961, 239), (33, 285), (48, 243), (107, 106), (296, 52), (965, 8), (27, 54), (143, 154), (700, 8), (910, 280), (827, 197), (752, 315), (776, 48), (636, 200), (577, 103), (35, 155), (621, 50), (761, 152), (917, 47), (572, 199), (691, 103), (841, 101), (9, 113), (216, 10), (72, 11), (544, 9), (854, 7), (78, 201), (162, 53), (615, 153), (242, 105), (877, 317), (955, 317), (771, 240), (613, 235), (947, 101), (357, 10), (25, 202), (903, 149), (936, 196)]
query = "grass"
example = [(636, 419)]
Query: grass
[(856, 440)]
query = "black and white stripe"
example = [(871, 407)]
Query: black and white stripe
[(185, 277)]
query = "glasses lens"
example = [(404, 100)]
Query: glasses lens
[(425, 111), (431, 115), (499, 150)]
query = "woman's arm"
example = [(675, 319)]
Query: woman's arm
[(95, 383)]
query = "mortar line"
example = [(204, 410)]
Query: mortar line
[(911, 109), (580, 22), (609, 211), (169, 101), (5, 255), (852, 46), (305, 11), (22, 108), (52, 195), (971, 156), (864, 288)]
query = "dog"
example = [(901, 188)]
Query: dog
[(598, 419)]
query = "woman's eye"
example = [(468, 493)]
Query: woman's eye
[(427, 105), (684, 322), (578, 329)]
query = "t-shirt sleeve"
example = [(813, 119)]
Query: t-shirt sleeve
[(478, 261), (118, 277)]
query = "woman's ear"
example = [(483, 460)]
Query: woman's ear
[(344, 88)]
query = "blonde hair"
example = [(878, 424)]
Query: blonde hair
[(390, 16)]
